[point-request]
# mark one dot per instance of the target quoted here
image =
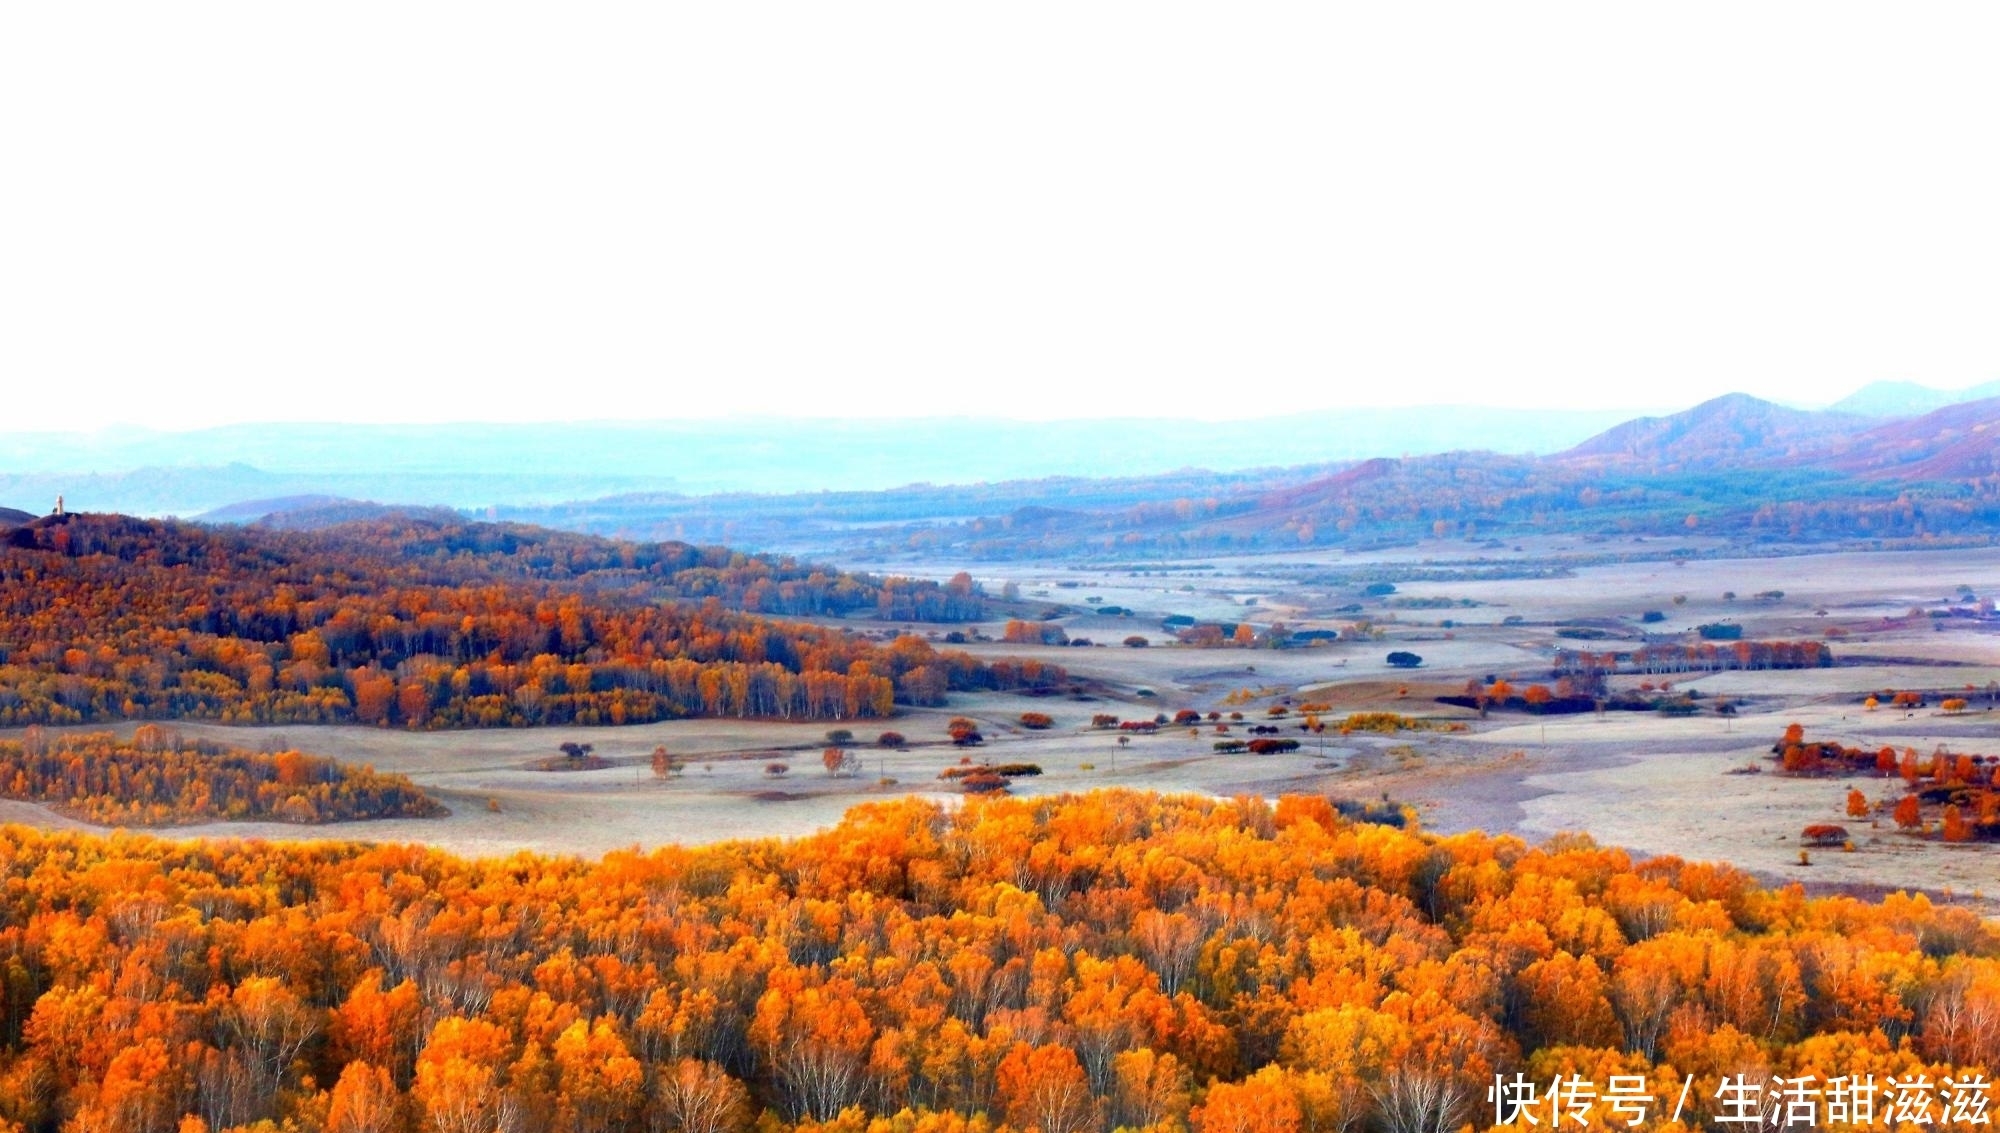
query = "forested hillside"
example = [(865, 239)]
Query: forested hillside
[(420, 623), (1479, 496), (1066, 965)]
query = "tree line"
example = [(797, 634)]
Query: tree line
[(1703, 658), (158, 777)]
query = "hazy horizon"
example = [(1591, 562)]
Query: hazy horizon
[(569, 465), (482, 464), (1022, 415)]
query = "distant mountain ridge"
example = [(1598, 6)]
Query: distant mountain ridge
[(1730, 464), (471, 465), (1954, 442), (1735, 464), (1908, 399)]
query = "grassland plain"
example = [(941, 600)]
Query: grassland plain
[(1650, 782)]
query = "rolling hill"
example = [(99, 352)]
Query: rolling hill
[(427, 623), (1957, 442), (312, 513), (1732, 431)]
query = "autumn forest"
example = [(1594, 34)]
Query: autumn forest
[(423, 625), (1120, 960)]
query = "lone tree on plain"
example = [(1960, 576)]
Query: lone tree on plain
[(1909, 813), (1404, 659), (576, 752)]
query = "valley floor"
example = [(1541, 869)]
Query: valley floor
[(1651, 783)]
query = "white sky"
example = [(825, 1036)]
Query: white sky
[(426, 211)]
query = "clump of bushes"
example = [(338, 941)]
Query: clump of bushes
[(1004, 770), (1384, 813), (1387, 723), (984, 785), (1271, 747)]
